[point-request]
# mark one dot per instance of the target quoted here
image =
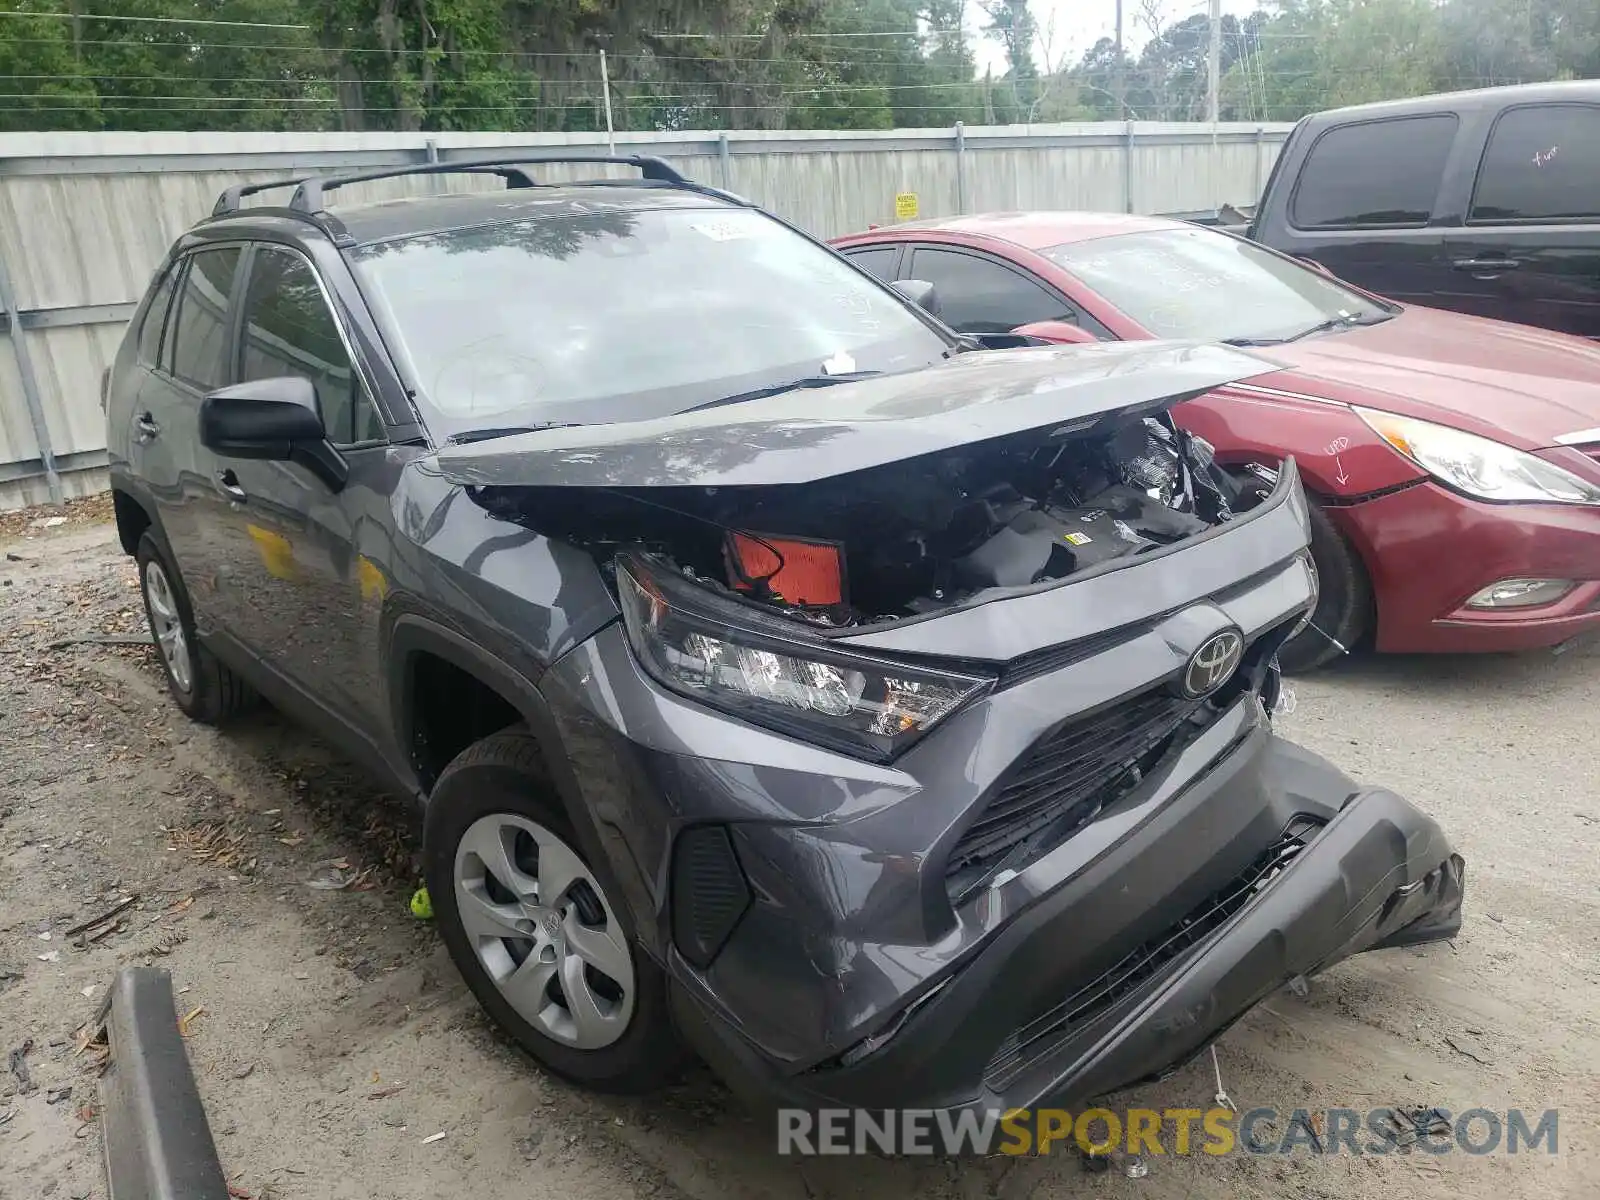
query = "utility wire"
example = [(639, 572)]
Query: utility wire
[(61, 16)]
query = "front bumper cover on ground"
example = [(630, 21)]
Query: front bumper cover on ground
[(1377, 873)]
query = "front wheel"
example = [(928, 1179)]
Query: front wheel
[(536, 929), (1343, 615)]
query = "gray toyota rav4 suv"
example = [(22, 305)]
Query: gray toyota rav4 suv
[(883, 717)]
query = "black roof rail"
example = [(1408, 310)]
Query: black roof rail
[(308, 195), (228, 202)]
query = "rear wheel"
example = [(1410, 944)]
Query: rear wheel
[(1343, 616), (202, 686), (537, 930)]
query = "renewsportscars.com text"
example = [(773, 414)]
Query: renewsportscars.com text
[(1213, 1131)]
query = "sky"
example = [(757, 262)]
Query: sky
[(1073, 26)]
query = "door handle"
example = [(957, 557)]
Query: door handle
[(147, 427), (1494, 265), (228, 485)]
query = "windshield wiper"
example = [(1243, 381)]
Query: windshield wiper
[(1327, 326), (485, 435), (776, 389)]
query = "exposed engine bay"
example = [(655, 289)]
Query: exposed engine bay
[(914, 536)]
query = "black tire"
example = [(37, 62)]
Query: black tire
[(1343, 616), (504, 774), (213, 693)]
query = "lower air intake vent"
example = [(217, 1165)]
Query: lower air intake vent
[(709, 892), (1050, 1029)]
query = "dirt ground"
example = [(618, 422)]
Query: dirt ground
[(331, 1039)]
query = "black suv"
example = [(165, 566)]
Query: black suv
[(1484, 202), (888, 721)]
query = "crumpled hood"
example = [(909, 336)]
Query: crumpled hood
[(812, 434), (1533, 384)]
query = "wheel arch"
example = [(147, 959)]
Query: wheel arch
[(416, 641)]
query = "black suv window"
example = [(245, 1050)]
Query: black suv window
[(1374, 173), (1542, 163), (155, 319), (199, 327), (289, 330), (878, 260), (980, 296)]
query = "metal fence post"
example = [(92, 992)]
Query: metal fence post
[(722, 158), (1255, 194), (961, 169), (1127, 166), (30, 382)]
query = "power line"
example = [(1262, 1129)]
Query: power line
[(717, 37), (575, 55), (148, 20)]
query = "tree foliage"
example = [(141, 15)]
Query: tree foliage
[(737, 64)]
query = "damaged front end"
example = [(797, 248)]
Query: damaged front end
[(914, 495), (999, 815)]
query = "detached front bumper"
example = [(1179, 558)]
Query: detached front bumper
[(1428, 550), (1021, 1023)]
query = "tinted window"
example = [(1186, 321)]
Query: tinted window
[(980, 296), (289, 330), (199, 327), (1542, 163), (619, 314), (155, 319), (1192, 283), (1375, 173), (880, 261)]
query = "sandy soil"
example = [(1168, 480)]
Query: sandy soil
[(331, 1036)]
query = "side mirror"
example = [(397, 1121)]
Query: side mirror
[(1056, 332), (274, 419), (920, 292)]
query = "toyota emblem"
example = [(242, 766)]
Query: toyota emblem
[(1213, 664)]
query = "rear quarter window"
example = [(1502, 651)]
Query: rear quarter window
[(155, 318), (1542, 163), (1374, 174)]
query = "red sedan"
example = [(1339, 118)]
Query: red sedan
[(1453, 462)]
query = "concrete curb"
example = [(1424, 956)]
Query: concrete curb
[(157, 1143)]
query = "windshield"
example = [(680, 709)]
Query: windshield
[(625, 314), (1192, 283)]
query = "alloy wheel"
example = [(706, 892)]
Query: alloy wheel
[(166, 623)]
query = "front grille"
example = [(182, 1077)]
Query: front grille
[(1068, 777), (1052, 1028)]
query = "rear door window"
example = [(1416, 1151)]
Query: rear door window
[(1542, 163), (197, 332), (1374, 174), (978, 295)]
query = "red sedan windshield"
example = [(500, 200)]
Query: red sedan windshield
[(1192, 283)]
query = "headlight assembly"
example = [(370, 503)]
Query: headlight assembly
[(1478, 466), (711, 650)]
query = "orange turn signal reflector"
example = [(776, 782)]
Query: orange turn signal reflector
[(802, 572)]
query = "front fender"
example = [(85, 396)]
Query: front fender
[(1339, 457)]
